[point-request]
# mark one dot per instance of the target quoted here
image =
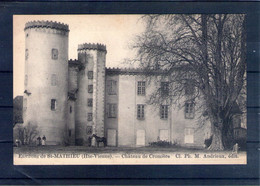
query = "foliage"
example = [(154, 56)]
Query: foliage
[(241, 143), (206, 53), (162, 143), (207, 142), (26, 133), (17, 110)]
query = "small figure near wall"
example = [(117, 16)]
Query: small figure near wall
[(17, 142), (39, 141), (43, 140), (235, 148)]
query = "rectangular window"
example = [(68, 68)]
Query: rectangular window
[(90, 116), (53, 80), (89, 130), (90, 89), (165, 88), (53, 104), (90, 102), (112, 110), (189, 110), (70, 109), (111, 87), (54, 53), (140, 111), (90, 74), (141, 88), (164, 112), (69, 132)]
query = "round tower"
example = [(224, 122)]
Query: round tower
[(46, 79), (90, 106)]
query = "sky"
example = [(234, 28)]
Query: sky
[(117, 32)]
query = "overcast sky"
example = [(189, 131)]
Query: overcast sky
[(117, 32)]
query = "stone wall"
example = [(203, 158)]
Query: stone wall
[(152, 125)]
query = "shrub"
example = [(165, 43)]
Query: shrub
[(26, 134), (241, 143), (161, 143), (208, 142), (30, 133)]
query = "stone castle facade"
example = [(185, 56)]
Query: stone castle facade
[(69, 100)]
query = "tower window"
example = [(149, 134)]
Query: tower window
[(26, 54), (55, 53), (89, 130), (141, 88), (90, 116), (165, 88), (111, 87), (189, 110), (53, 80), (140, 111), (112, 110), (69, 132), (90, 102), (53, 104), (70, 109), (164, 112), (90, 89), (90, 74)]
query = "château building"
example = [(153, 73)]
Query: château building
[(69, 100)]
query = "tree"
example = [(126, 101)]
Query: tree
[(30, 132), (205, 52)]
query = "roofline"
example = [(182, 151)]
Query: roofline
[(132, 71)]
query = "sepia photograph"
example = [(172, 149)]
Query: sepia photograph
[(129, 89)]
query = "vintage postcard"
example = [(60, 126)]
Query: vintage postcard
[(129, 89)]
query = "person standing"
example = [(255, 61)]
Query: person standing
[(43, 140), (39, 140)]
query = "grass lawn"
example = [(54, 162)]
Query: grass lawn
[(84, 149)]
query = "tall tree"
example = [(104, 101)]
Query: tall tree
[(205, 52)]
